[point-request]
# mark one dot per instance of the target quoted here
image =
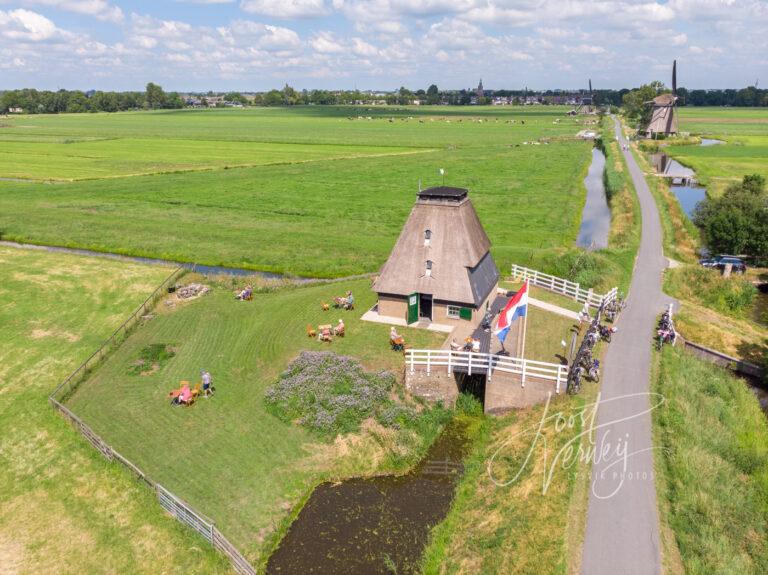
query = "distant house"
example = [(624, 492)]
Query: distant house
[(441, 269), (15, 110)]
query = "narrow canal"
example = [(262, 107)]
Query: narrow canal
[(596, 217), (376, 525)]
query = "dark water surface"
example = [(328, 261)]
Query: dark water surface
[(377, 525), (596, 217)]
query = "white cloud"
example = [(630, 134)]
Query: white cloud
[(326, 43), (100, 9), (362, 48), (286, 8), (27, 26), (585, 49)]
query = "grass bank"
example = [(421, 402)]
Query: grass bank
[(512, 520), (681, 238), (63, 508), (613, 266), (712, 469)]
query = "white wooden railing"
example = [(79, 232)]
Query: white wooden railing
[(562, 286), (485, 363)]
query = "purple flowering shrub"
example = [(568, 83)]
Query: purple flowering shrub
[(331, 393)]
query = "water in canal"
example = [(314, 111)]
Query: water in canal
[(688, 196), (378, 525), (596, 217), (682, 179)]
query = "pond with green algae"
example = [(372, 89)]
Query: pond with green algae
[(375, 525)]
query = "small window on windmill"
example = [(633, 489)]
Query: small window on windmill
[(427, 237), (428, 271)]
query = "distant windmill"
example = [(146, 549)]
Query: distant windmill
[(664, 115), (585, 104)]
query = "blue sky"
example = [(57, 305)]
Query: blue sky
[(380, 44)]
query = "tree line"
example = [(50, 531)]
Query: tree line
[(33, 101)]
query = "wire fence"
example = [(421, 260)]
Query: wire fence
[(69, 385), (177, 507)]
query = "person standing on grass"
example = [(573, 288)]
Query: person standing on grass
[(206, 379)]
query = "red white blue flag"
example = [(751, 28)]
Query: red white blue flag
[(516, 307)]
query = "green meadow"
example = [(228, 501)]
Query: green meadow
[(745, 132), (227, 455), (63, 508), (336, 215), (113, 158)]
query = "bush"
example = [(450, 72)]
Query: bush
[(152, 358), (732, 296), (329, 393), (397, 415)]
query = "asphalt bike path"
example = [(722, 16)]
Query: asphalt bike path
[(622, 534)]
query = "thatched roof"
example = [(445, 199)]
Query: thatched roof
[(664, 100), (662, 119), (463, 270)]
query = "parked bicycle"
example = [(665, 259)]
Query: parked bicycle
[(574, 380)]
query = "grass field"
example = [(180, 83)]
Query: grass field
[(227, 455), (712, 470), (63, 509), (746, 151), (114, 158), (325, 218)]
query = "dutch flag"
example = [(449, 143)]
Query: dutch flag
[(516, 307)]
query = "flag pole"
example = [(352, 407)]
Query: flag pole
[(522, 352)]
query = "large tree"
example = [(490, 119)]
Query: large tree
[(155, 96), (433, 95), (634, 103), (737, 222)]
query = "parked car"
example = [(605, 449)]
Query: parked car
[(719, 262)]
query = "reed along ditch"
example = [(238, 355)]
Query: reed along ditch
[(377, 525)]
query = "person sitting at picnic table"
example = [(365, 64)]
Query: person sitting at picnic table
[(350, 303), (393, 335), (181, 395), (324, 333), (339, 330), (476, 345), (186, 395), (455, 346), (468, 344)]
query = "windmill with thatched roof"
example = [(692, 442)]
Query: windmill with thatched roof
[(440, 269), (664, 116)]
